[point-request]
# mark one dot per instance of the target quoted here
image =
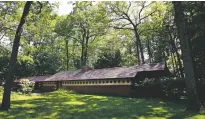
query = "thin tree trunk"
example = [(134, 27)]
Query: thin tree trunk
[(82, 52), (173, 62), (141, 51), (73, 50), (192, 96), (149, 51), (137, 48), (140, 47), (86, 50), (66, 46), (7, 88), (178, 57)]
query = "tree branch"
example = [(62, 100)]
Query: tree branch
[(128, 7), (122, 28), (2, 36), (73, 38), (41, 6), (146, 16), (151, 29), (143, 7)]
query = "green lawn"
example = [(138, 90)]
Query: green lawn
[(62, 105)]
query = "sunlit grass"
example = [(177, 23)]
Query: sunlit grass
[(63, 105)]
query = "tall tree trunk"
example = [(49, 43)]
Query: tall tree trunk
[(137, 46), (140, 46), (73, 50), (173, 63), (86, 50), (178, 57), (66, 46), (192, 96), (176, 64), (82, 52), (149, 51), (141, 52), (9, 81)]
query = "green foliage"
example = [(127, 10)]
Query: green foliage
[(84, 25), (47, 63), (107, 60), (43, 47), (25, 86)]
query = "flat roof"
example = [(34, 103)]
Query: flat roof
[(107, 73)]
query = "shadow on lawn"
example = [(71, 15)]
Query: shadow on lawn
[(76, 106)]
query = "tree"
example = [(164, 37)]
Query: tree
[(64, 28), (108, 60), (192, 97), (126, 15), (84, 24), (7, 89)]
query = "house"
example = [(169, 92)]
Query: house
[(108, 81)]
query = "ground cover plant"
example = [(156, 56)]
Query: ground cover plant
[(68, 105)]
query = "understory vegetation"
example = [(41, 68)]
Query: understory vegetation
[(67, 105)]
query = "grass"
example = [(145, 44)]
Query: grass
[(63, 105)]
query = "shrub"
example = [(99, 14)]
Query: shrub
[(65, 91), (170, 87), (25, 86)]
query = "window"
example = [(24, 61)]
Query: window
[(107, 81), (103, 81), (89, 82), (99, 82), (110, 81), (123, 81), (118, 81), (115, 81), (128, 81), (86, 82)]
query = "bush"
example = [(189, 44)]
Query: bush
[(25, 86), (171, 88), (65, 91)]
